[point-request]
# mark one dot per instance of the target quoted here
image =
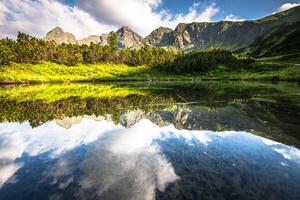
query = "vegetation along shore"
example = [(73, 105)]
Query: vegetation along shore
[(273, 55)]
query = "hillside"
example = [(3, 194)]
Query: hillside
[(227, 34), (193, 36), (282, 41)]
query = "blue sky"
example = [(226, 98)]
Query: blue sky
[(94, 17), (246, 9)]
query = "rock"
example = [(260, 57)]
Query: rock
[(157, 37), (103, 38), (59, 36), (128, 38), (130, 118), (90, 39)]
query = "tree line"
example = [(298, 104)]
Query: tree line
[(29, 49), (203, 61)]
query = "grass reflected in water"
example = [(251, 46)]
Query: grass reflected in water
[(267, 109)]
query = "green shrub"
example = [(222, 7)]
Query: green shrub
[(7, 53)]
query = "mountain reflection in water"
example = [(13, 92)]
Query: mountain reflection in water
[(150, 142), (98, 159)]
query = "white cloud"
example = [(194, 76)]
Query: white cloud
[(92, 17), (234, 18), (38, 17), (289, 153), (141, 15), (7, 171), (195, 16), (286, 6), (3, 10)]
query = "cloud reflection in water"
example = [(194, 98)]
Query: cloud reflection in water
[(117, 162)]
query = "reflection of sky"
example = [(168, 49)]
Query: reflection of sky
[(16, 139), (113, 161)]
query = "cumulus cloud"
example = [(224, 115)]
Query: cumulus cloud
[(3, 10), (141, 14), (38, 17), (93, 17), (195, 16), (286, 6), (7, 171), (234, 18)]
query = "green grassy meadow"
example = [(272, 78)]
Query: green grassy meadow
[(47, 72)]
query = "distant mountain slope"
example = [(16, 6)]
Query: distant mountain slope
[(288, 16), (282, 41), (194, 36), (88, 40), (126, 38), (229, 35), (226, 34)]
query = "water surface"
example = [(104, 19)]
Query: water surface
[(193, 140)]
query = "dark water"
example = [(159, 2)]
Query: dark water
[(204, 140)]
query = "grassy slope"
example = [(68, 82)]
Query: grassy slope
[(50, 72), (282, 41)]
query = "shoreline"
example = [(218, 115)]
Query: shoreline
[(174, 80), (47, 72)]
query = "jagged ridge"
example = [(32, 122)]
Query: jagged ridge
[(192, 36)]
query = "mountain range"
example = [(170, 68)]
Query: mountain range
[(231, 35)]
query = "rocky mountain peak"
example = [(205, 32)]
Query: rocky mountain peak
[(128, 38), (125, 29), (57, 30), (59, 36), (157, 36)]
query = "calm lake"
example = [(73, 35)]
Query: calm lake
[(165, 140)]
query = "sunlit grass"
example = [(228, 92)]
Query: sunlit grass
[(52, 93), (51, 72), (47, 72)]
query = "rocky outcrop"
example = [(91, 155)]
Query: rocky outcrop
[(103, 38), (59, 36), (68, 122), (230, 35), (128, 38), (90, 39), (158, 37)]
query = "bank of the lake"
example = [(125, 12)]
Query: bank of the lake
[(47, 72)]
